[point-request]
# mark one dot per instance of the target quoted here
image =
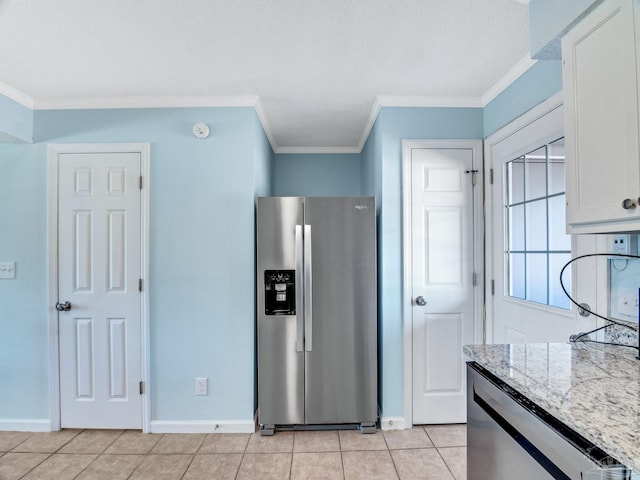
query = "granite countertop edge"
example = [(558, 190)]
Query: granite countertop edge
[(593, 389)]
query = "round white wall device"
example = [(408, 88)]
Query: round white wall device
[(200, 130)]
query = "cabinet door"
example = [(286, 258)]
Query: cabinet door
[(601, 126)]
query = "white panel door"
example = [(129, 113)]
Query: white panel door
[(443, 291), (516, 317), (99, 264)]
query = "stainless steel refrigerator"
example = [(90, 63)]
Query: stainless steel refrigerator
[(316, 312)]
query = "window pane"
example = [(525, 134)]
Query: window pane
[(556, 177), (535, 221), (556, 167), (557, 298), (516, 227), (515, 181), (516, 275), (556, 148), (536, 225), (558, 239), (536, 174), (536, 277)]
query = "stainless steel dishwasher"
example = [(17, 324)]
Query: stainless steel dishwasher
[(509, 437)]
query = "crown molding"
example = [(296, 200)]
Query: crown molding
[(412, 101), (265, 124), (417, 101), (511, 76), (144, 102), (318, 150), (160, 102), (15, 95), (371, 120), (254, 101)]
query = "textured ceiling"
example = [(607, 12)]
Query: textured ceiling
[(316, 65)]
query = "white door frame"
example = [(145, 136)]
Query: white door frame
[(53, 153), (407, 284)]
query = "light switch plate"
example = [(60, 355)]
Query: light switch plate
[(8, 270)]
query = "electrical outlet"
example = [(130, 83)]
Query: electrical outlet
[(625, 244), (201, 386)]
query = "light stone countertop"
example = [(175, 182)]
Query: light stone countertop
[(593, 389)]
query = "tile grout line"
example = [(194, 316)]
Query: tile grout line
[(395, 467), (69, 441), (446, 464), (293, 447), (193, 457), (136, 467), (99, 454), (145, 455), (440, 454), (49, 455), (244, 451), (16, 446), (445, 460), (344, 475)]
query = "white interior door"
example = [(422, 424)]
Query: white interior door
[(443, 291), (99, 265), (528, 244)]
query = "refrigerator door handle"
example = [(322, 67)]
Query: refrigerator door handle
[(308, 318), (299, 249)]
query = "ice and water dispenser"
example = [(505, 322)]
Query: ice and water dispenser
[(280, 292)]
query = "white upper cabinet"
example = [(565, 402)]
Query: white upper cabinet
[(600, 70)]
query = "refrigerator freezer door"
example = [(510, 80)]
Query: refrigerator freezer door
[(341, 368), (280, 356)]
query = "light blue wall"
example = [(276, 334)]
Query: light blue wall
[(392, 126), (16, 121), (24, 344), (317, 174), (550, 19), (540, 82), (201, 255)]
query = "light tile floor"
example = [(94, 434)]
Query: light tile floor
[(429, 452)]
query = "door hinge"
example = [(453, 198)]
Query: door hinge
[(141, 387), (140, 285), (493, 287), (475, 279), (491, 176), (140, 182), (473, 175)]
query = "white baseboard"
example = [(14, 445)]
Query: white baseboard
[(203, 426), (25, 425), (393, 423)]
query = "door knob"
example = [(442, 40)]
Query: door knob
[(421, 301), (63, 307)]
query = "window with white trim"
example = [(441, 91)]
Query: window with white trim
[(536, 245)]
